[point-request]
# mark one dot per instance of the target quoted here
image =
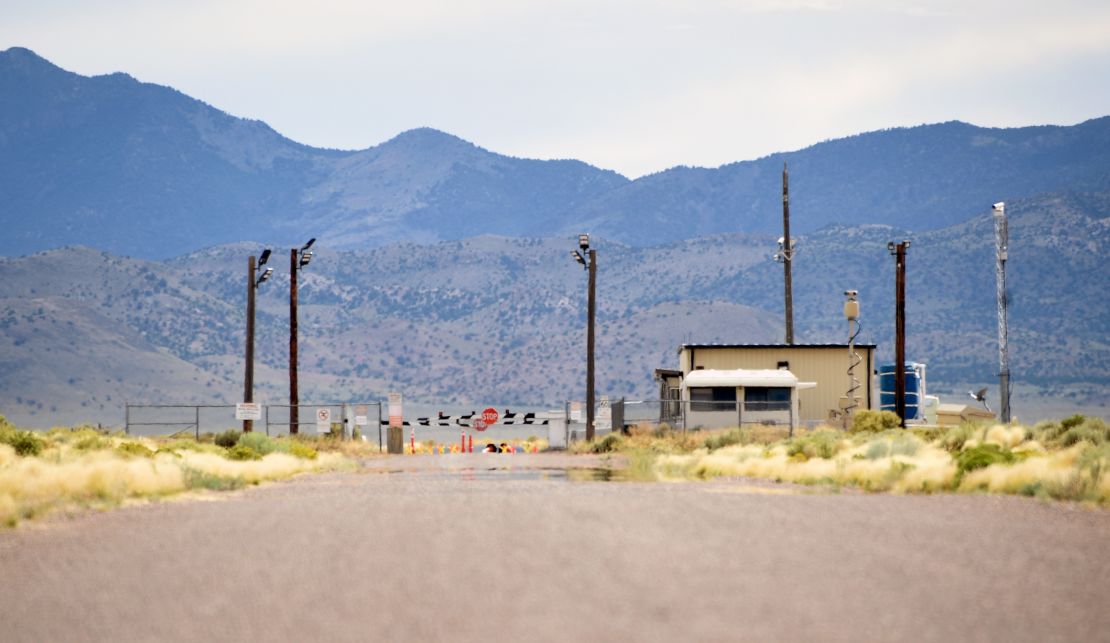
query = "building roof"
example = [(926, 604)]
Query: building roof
[(787, 346), (741, 377)]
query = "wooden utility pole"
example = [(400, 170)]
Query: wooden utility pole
[(248, 377), (294, 417), (787, 255), (297, 259), (899, 252), (591, 312), (1002, 243)]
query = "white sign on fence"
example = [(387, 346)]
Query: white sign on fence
[(576, 412), (604, 419), (248, 411), (361, 412), (323, 420)]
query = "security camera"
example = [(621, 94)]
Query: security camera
[(781, 241), (851, 293), (999, 206)]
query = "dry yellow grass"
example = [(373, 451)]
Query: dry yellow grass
[(901, 462), (64, 477), (1055, 469)]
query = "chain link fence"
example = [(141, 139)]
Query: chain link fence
[(681, 415)]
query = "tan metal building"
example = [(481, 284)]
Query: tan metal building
[(824, 364)]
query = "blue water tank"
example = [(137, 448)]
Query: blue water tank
[(913, 390)]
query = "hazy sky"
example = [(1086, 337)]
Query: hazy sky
[(634, 86)]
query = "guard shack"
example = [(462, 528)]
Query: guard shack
[(823, 365), (717, 399)]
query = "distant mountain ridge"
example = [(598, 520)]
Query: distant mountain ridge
[(144, 170)]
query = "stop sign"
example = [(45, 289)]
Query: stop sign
[(490, 416), (479, 424)]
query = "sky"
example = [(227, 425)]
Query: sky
[(632, 86)]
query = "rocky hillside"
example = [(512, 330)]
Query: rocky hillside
[(501, 320)]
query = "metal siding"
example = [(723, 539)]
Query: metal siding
[(828, 367)]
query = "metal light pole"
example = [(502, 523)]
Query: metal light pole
[(297, 259), (591, 312), (899, 252), (253, 280), (1002, 242)]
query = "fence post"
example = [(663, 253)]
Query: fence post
[(379, 426), (127, 418), (683, 405), (196, 416)]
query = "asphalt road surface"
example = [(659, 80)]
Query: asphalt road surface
[(443, 548)]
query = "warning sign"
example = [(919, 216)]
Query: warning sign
[(323, 420)]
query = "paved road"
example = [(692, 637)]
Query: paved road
[(441, 548)]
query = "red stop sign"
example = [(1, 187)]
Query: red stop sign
[(490, 415), (479, 424)]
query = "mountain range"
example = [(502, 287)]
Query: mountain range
[(442, 270), (143, 170)]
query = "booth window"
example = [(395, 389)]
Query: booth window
[(766, 398), (714, 398)]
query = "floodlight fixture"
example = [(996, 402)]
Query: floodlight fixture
[(584, 241), (265, 256), (264, 276), (578, 257), (305, 258), (309, 244)]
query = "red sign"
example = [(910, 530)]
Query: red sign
[(480, 424), (490, 415)]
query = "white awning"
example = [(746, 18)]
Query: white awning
[(742, 377)]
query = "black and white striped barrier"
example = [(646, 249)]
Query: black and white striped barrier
[(467, 420)]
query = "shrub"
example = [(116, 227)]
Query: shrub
[(242, 452), (608, 444), (228, 438), (956, 437), (982, 456), (260, 443), (867, 421), (819, 444), (1071, 431), (25, 443), (725, 439), (197, 479), (302, 451), (133, 449), (898, 444)]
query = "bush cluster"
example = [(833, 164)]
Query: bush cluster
[(819, 444), (982, 456), (228, 438), (867, 421), (1071, 431), (25, 443)]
